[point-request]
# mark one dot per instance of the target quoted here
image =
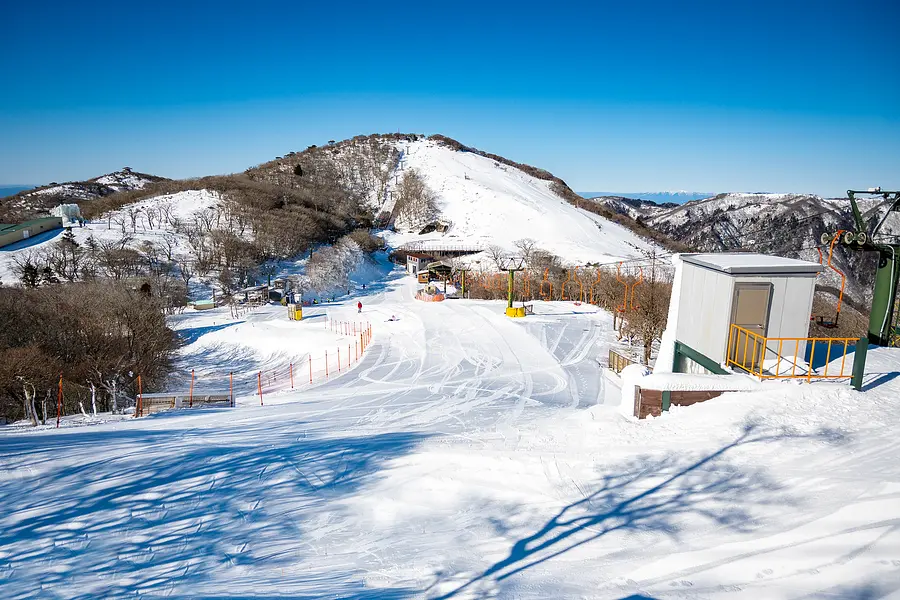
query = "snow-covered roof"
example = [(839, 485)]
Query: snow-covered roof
[(745, 263)]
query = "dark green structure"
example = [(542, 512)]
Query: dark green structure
[(883, 330)]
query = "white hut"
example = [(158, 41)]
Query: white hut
[(737, 305)]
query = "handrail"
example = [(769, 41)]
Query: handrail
[(617, 361), (747, 350)]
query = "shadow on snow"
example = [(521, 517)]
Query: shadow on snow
[(647, 495), (179, 511)]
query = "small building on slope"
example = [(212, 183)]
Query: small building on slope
[(10, 234)]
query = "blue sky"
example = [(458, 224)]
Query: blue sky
[(623, 96)]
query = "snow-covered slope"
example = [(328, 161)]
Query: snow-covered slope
[(170, 208), (489, 203), (465, 456), (117, 181)]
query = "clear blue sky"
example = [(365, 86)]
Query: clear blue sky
[(621, 96)]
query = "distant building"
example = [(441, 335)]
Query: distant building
[(416, 262), (69, 213), (10, 234)]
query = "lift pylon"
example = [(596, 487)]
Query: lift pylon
[(884, 296)]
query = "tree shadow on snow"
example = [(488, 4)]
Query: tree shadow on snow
[(182, 511), (189, 336), (649, 495)]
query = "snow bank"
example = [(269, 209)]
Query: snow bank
[(688, 382), (632, 377), (666, 357)]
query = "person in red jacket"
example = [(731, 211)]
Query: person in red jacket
[(359, 307)]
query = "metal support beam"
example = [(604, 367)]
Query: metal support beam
[(683, 350), (884, 296), (859, 363)]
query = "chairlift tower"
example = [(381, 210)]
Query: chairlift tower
[(882, 329), (511, 264)]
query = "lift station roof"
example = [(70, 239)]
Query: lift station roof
[(746, 263)]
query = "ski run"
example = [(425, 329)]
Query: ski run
[(465, 455)]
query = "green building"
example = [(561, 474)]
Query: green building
[(10, 234)]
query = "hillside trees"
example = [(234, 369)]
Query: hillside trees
[(98, 333), (416, 203), (329, 268)]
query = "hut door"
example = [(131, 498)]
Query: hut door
[(749, 310)]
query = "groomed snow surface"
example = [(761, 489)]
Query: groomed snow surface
[(467, 455)]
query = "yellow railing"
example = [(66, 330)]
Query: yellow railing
[(617, 362), (765, 357)]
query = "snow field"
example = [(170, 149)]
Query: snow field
[(288, 355), (467, 455), (490, 203)]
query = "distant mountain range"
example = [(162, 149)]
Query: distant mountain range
[(658, 197)]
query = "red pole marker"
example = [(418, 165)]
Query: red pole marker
[(292, 375), (259, 383), (310, 368), (326, 364), (59, 397)]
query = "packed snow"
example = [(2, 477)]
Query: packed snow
[(466, 455)]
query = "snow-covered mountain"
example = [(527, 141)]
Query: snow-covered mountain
[(41, 199), (658, 197), (782, 224), (486, 202)]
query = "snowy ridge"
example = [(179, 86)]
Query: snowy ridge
[(117, 181), (490, 203)]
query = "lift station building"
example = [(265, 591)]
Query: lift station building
[(722, 297)]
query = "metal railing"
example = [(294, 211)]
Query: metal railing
[(617, 361), (786, 358)]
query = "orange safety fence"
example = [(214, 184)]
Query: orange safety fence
[(785, 357), (211, 387)]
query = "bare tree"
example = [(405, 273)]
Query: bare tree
[(526, 248), (151, 214), (416, 203), (134, 213), (30, 410), (496, 254)]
